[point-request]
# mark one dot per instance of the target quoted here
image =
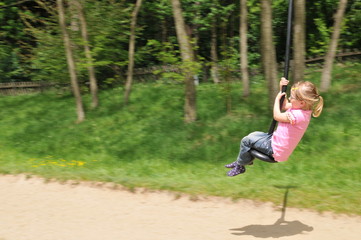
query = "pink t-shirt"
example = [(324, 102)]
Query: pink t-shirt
[(288, 135)]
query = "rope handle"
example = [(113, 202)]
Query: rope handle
[(287, 59)]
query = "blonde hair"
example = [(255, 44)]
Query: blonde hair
[(307, 92)]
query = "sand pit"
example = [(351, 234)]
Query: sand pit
[(32, 209)]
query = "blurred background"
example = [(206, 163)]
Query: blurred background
[(159, 93)]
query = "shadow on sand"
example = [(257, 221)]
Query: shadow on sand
[(281, 228)]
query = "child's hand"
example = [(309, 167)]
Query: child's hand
[(280, 95), (283, 82)]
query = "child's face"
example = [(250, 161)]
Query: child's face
[(295, 102)]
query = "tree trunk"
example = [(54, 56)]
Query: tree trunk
[(164, 31), (71, 63), (244, 47), (214, 55), (268, 50), (84, 32), (330, 56), (299, 39), (195, 31), (133, 24), (187, 59)]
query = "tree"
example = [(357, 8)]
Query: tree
[(214, 14), (71, 62), (213, 42), (330, 56), (34, 52), (214, 54), (188, 60), (268, 50), (91, 71), (133, 25), (299, 38), (244, 47)]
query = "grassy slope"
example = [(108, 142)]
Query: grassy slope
[(147, 143)]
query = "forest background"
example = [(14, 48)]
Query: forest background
[(99, 48), (218, 39)]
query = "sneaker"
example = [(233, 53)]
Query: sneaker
[(236, 170), (231, 165)]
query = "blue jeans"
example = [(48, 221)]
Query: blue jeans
[(257, 140)]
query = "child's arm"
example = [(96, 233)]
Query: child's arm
[(277, 114)]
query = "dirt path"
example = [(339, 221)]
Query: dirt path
[(31, 209)]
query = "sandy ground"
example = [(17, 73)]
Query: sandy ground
[(32, 209)]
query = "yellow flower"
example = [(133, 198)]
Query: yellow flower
[(50, 161), (80, 163)]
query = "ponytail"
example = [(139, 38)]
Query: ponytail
[(318, 107)]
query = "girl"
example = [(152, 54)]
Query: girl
[(303, 102)]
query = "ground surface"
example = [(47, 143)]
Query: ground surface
[(32, 209)]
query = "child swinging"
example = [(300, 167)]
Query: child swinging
[(304, 101)]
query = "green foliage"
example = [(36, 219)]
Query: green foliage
[(321, 39), (147, 143), (166, 52), (11, 27), (49, 60), (31, 31), (12, 33), (254, 33), (351, 37), (319, 23), (10, 68), (107, 26)]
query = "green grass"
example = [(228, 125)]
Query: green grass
[(148, 145)]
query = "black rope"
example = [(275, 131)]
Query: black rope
[(287, 59)]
